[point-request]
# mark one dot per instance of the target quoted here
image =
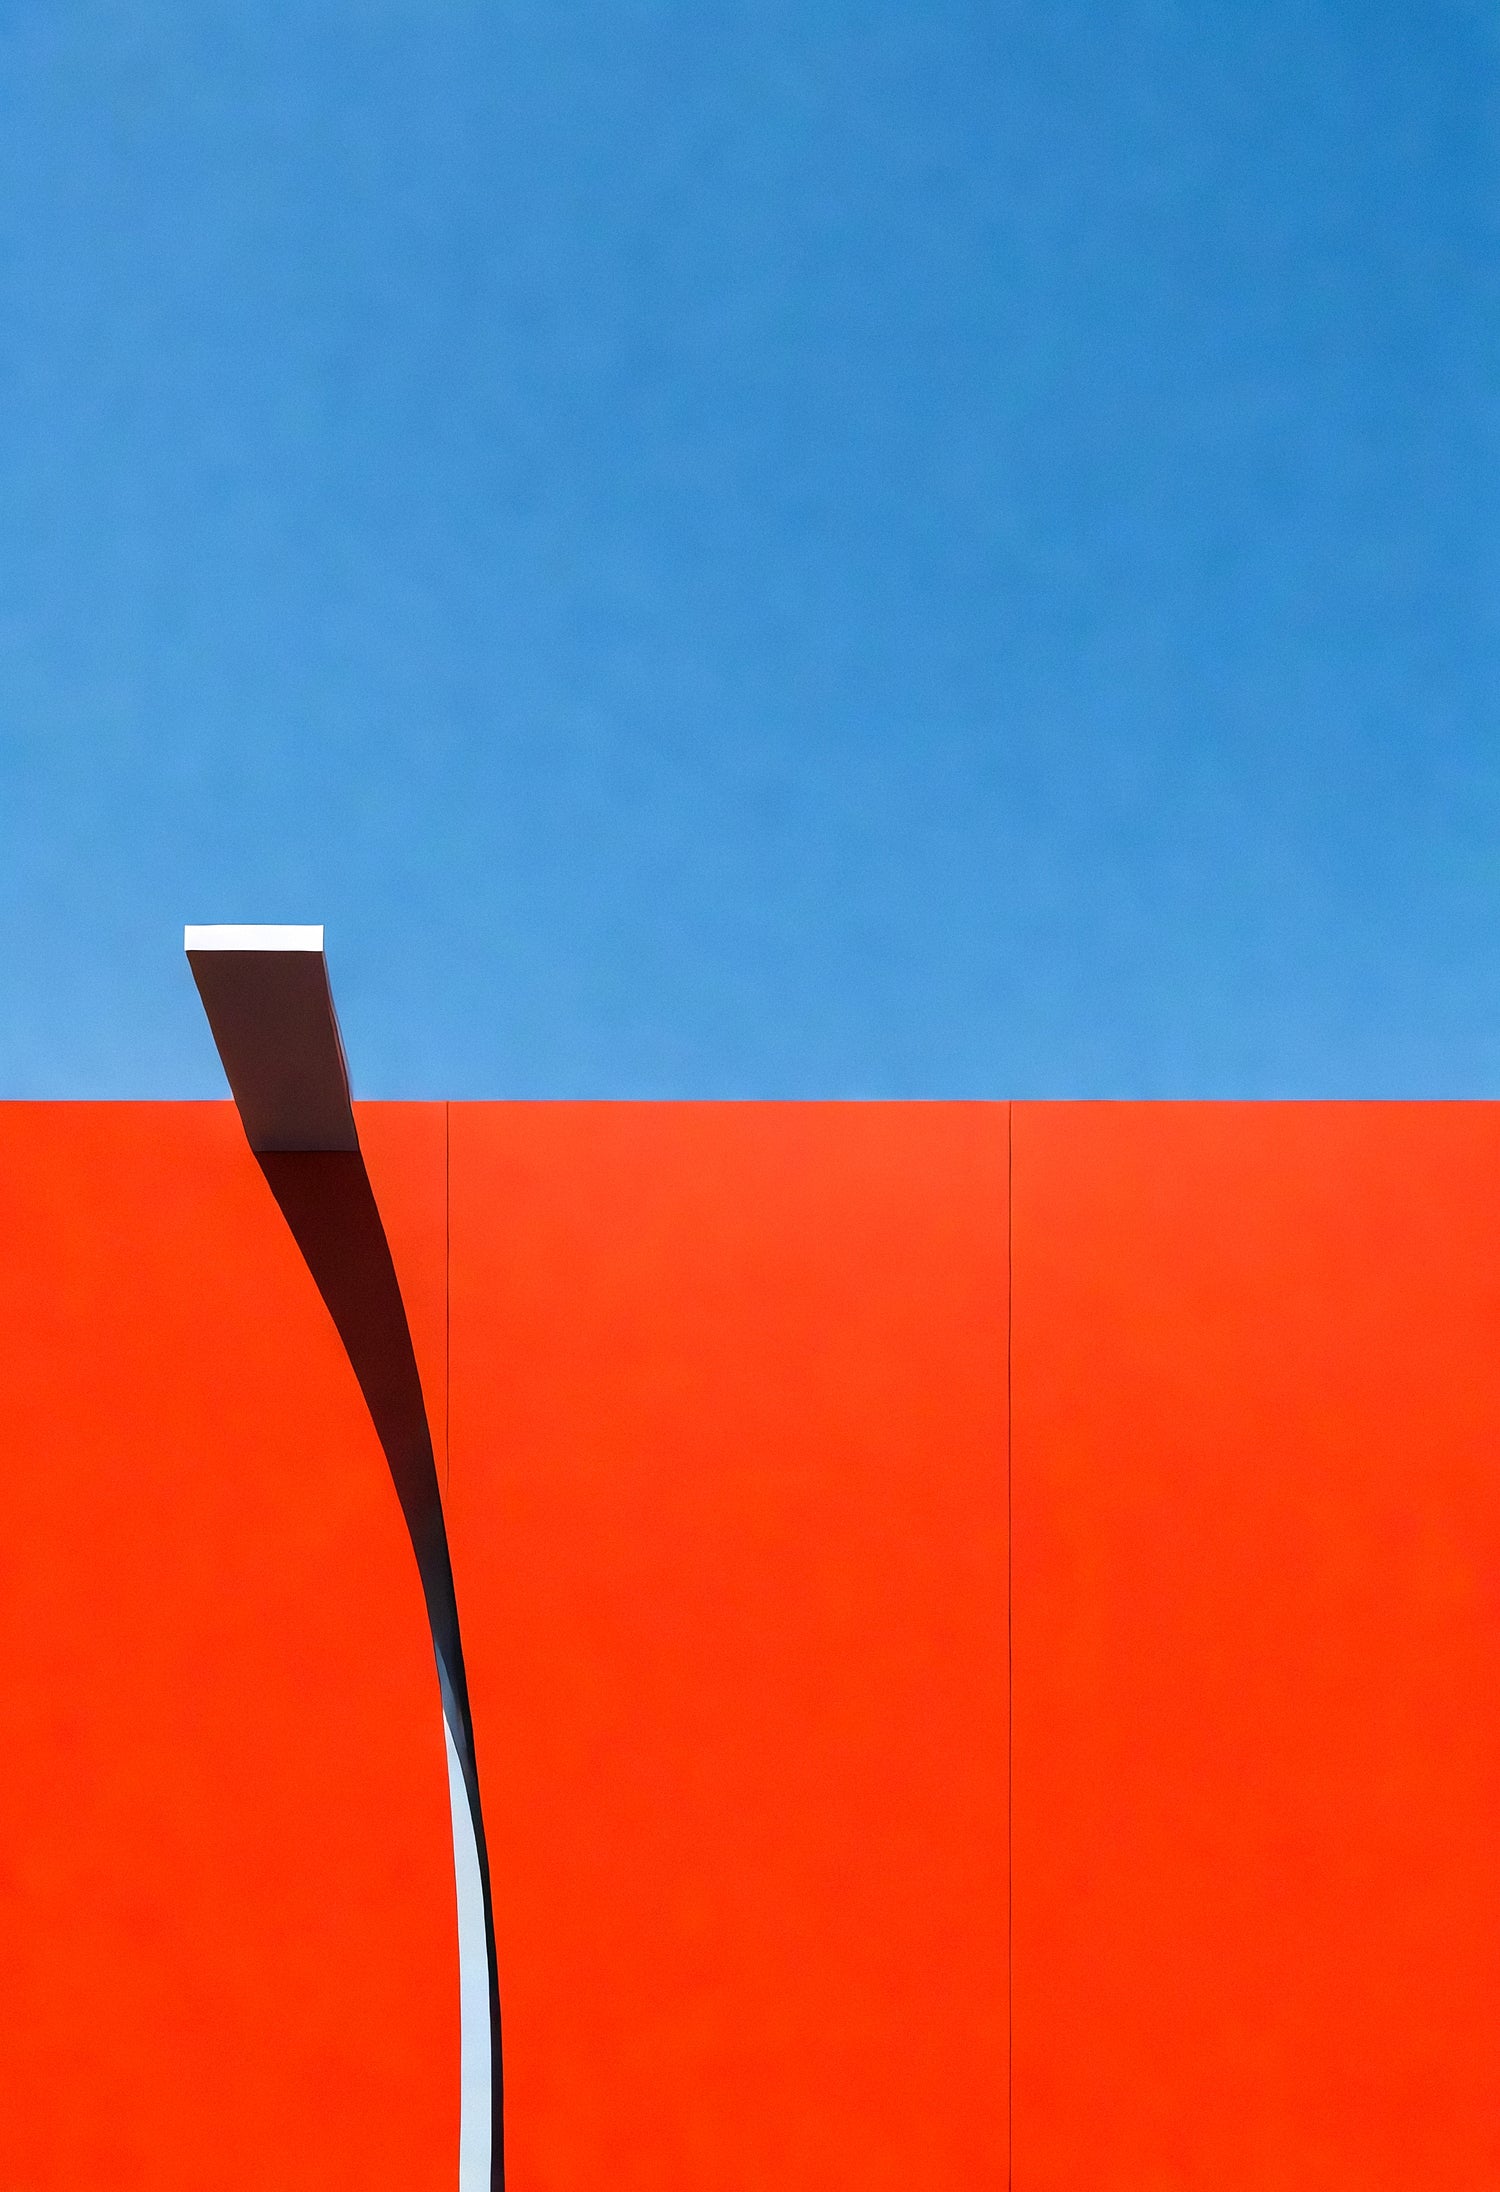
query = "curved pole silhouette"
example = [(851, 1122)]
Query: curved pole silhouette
[(271, 1010)]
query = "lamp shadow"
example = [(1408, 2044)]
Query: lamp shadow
[(327, 1201)]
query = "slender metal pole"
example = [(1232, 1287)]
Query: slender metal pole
[(270, 1007)]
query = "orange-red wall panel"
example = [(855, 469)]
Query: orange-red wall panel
[(227, 1953), (728, 1494), (1256, 1574), (727, 1504)]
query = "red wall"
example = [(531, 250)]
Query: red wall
[(732, 1408), (1256, 1561), (728, 1521), (226, 1901)]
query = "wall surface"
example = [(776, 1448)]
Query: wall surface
[(226, 1895), (728, 1518), (1256, 1562), (982, 1626)]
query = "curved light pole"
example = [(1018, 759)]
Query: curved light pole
[(270, 1007)]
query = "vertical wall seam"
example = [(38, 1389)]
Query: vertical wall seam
[(447, 1295), (1010, 1663)]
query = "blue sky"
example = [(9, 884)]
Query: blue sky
[(793, 550)]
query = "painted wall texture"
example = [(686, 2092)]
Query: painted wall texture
[(983, 1626)]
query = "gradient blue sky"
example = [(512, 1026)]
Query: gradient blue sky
[(766, 549)]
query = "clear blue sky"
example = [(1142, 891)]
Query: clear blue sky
[(763, 549)]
